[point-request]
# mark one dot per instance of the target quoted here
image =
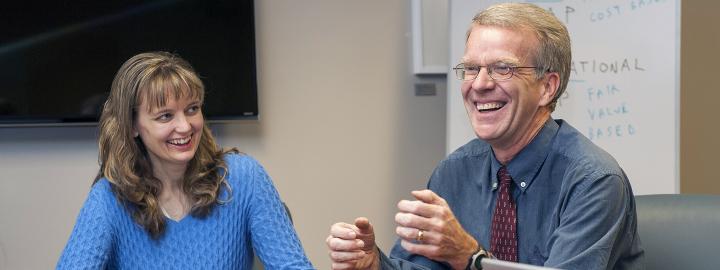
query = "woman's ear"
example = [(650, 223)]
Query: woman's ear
[(549, 88)]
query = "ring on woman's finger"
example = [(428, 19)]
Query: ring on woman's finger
[(420, 235)]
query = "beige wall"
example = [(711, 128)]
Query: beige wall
[(699, 98), (45, 174), (339, 131)]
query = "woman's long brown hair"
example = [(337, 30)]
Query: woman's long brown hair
[(154, 77)]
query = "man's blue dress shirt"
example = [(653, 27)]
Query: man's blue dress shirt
[(575, 206)]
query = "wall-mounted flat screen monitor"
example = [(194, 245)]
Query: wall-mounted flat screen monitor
[(58, 58)]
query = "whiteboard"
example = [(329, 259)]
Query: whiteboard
[(623, 91)]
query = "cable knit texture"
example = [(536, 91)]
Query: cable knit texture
[(105, 235)]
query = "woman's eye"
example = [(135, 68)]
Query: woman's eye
[(193, 109), (164, 117)]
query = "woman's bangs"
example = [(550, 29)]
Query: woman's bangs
[(169, 84)]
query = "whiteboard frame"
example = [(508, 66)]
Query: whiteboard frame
[(678, 41), (419, 66)]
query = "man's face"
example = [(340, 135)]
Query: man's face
[(501, 112)]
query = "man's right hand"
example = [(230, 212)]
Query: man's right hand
[(353, 246)]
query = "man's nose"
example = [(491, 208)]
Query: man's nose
[(483, 80)]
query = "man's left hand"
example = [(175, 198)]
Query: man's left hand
[(428, 227)]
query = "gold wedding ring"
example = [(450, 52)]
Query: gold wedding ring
[(420, 235)]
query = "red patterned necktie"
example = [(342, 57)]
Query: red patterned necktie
[(503, 234)]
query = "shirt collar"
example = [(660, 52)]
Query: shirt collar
[(526, 164)]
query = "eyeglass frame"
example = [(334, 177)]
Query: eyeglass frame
[(490, 71)]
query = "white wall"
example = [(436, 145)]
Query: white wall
[(340, 132)]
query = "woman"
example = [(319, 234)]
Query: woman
[(166, 196)]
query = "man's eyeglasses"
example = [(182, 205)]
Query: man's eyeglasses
[(497, 71)]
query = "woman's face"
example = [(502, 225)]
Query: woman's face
[(171, 134)]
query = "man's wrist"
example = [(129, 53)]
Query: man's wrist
[(476, 258), (377, 255)]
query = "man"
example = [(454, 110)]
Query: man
[(530, 189)]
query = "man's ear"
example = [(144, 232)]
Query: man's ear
[(549, 88)]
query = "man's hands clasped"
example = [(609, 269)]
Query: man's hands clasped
[(426, 226)]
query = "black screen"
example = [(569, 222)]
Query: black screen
[(58, 58)]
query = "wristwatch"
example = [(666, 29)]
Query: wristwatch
[(476, 258)]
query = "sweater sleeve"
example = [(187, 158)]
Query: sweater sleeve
[(273, 236), (90, 243)]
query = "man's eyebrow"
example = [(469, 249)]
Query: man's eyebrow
[(510, 61)]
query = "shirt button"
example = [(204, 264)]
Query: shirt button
[(522, 184)]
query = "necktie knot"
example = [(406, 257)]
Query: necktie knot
[(504, 176)]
